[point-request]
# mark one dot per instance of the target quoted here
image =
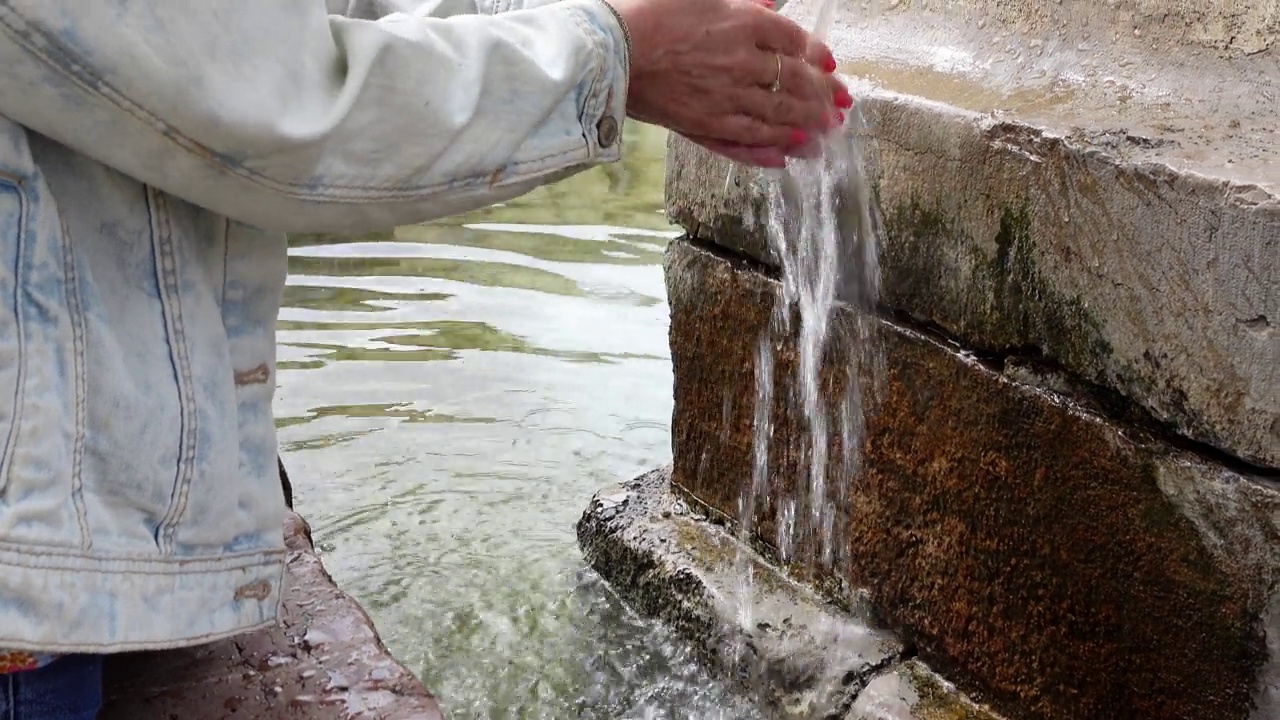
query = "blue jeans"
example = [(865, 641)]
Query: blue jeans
[(69, 688)]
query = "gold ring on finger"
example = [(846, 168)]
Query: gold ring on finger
[(777, 79)]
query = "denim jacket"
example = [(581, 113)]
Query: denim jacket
[(153, 154)]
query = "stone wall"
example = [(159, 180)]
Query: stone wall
[(1069, 500), (1236, 26)]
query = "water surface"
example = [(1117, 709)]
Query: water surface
[(450, 397)]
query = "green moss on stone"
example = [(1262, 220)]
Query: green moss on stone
[(938, 702), (935, 269), (1061, 325)]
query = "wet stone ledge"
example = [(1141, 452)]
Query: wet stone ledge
[(323, 661), (1053, 564), (802, 657)]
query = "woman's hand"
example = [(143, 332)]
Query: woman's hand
[(707, 69)]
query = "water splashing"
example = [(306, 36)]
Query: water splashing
[(821, 229)]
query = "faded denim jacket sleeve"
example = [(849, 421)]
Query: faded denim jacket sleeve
[(301, 115)]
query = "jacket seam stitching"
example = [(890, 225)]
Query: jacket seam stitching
[(587, 118), (179, 569), (76, 310), (151, 645), (282, 579), (11, 442), (195, 149), (171, 302), (30, 552), (226, 261)]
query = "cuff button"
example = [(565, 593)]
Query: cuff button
[(607, 131)]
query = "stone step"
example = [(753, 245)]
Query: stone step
[(323, 661), (1056, 565), (1094, 183), (802, 656)]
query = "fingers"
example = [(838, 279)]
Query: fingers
[(804, 70), (838, 93), (793, 75), (766, 157), (805, 97), (795, 78), (807, 106), (782, 108), (819, 55), (778, 34), (807, 151), (747, 130), (747, 155)]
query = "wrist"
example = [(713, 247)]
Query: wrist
[(632, 16), (626, 33)]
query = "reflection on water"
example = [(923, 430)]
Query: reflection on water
[(450, 397)]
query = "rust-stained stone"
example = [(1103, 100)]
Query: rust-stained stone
[(324, 661), (1056, 566)]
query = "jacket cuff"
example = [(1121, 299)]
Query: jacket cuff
[(604, 108)]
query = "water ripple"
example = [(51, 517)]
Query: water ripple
[(450, 396)]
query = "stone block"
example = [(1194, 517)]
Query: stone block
[(1111, 206), (804, 657), (1057, 565)]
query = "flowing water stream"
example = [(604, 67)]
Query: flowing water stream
[(821, 228)]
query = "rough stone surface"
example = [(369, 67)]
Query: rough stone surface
[(1221, 28), (912, 691), (1053, 564), (323, 662), (807, 658), (1097, 185)]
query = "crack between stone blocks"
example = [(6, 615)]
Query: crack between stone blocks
[(1109, 404), (737, 258)]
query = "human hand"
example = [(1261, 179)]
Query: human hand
[(767, 157), (707, 70)]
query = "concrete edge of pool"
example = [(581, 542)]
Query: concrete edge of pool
[(322, 661), (802, 656)]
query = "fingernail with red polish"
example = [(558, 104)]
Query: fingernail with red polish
[(839, 118), (829, 63), (798, 137), (844, 99)]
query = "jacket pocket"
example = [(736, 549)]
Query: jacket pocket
[(13, 235)]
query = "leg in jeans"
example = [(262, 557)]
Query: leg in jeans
[(69, 688)]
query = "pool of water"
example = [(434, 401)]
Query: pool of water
[(450, 396)]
